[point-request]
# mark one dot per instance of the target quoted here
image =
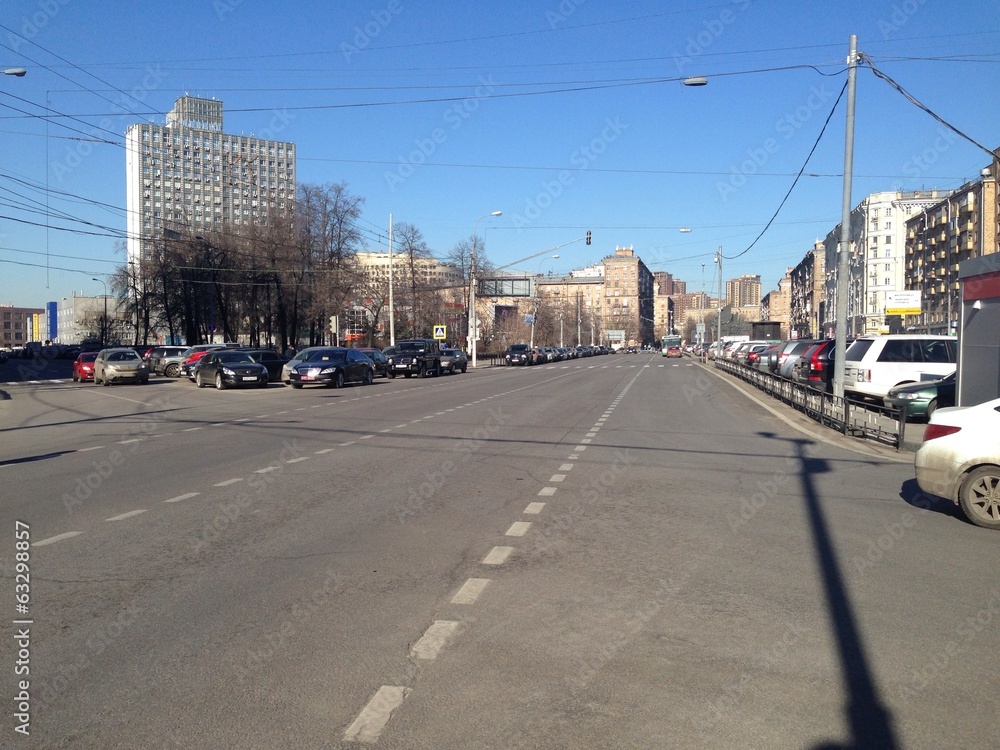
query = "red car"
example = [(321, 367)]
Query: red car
[(83, 367)]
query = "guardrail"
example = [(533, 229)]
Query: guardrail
[(849, 416)]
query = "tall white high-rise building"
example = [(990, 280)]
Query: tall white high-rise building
[(189, 176)]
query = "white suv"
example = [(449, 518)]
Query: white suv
[(874, 364)]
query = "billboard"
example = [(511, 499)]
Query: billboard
[(902, 303)]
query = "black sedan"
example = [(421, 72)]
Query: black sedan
[(270, 359), (379, 360), (334, 368), (229, 369)]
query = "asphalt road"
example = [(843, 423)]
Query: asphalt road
[(617, 552)]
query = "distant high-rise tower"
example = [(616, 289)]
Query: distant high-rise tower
[(744, 291), (188, 176)]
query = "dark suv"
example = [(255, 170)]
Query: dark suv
[(420, 357), (518, 354)]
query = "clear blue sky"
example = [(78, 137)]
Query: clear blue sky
[(441, 112)]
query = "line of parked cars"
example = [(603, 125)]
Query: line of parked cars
[(522, 354)]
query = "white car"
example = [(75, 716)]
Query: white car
[(960, 460)]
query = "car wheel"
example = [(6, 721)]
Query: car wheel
[(171, 370), (105, 381), (262, 384), (422, 373), (199, 382), (219, 382), (143, 381), (369, 378), (296, 386), (390, 375), (464, 368), (979, 497), (407, 374), (96, 381), (340, 380), (74, 377), (931, 408)]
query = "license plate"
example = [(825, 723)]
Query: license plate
[(308, 377), (249, 377)]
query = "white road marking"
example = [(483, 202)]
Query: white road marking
[(592, 433), (584, 441), (534, 508), (56, 538), (572, 457), (265, 470), (262, 416), (566, 467), (191, 429), (366, 437), (228, 482), (387, 429), (325, 450), (580, 448), (349, 442), (185, 496), (282, 412), (547, 492), (242, 419), (373, 717), (296, 460), (399, 426), (126, 442), (91, 448), (123, 516), (518, 528), (497, 556), (557, 478), (218, 424), (434, 639), (470, 591)]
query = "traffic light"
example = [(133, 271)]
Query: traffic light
[(588, 236)]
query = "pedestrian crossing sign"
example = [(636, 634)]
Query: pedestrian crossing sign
[(440, 332)]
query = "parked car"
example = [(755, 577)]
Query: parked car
[(518, 354), (756, 355), (270, 359), (230, 369), (420, 357), (333, 367), (959, 459), (170, 365), (453, 360), (874, 364), (378, 359), (158, 354), (302, 356), (121, 364), (782, 362), (815, 367), (923, 399), (83, 367)]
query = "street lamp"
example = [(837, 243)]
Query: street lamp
[(534, 311), (718, 336), (473, 322), (19, 72), (104, 321)]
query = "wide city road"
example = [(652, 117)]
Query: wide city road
[(612, 552)]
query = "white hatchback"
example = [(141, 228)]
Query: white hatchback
[(960, 460)]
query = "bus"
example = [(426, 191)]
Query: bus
[(670, 346)]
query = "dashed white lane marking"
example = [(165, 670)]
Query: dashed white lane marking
[(557, 478), (282, 412), (123, 516), (324, 450), (547, 492), (228, 482), (387, 429), (262, 416), (518, 528), (185, 496), (296, 460), (218, 424), (318, 406), (591, 434), (661, 365), (366, 437), (373, 717), (580, 448), (572, 457), (584, 441), (470, 591), (190, 429), (400, 426), (497, 556), (266, 469), (349, 442), (434, 639), (126, 442), (91, 448), (534, 508), (301, 408), (56, 538), (566, 467), (242, 419)]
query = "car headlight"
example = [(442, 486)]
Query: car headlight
[(328, 371), (227, 371), (909, 396)]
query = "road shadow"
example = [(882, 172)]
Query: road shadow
[(869, 722), (911, 493)]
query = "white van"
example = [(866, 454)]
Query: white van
[(874, 364)]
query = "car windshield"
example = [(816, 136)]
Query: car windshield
[(328, 356), (88, 356), (233, 358), (411, 347), (123, 356), (519, 348)]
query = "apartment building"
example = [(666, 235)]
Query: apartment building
[(189, 176), (19, 325), (808, 294), (961, 226)]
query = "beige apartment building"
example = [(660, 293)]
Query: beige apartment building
[(808, 294)]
